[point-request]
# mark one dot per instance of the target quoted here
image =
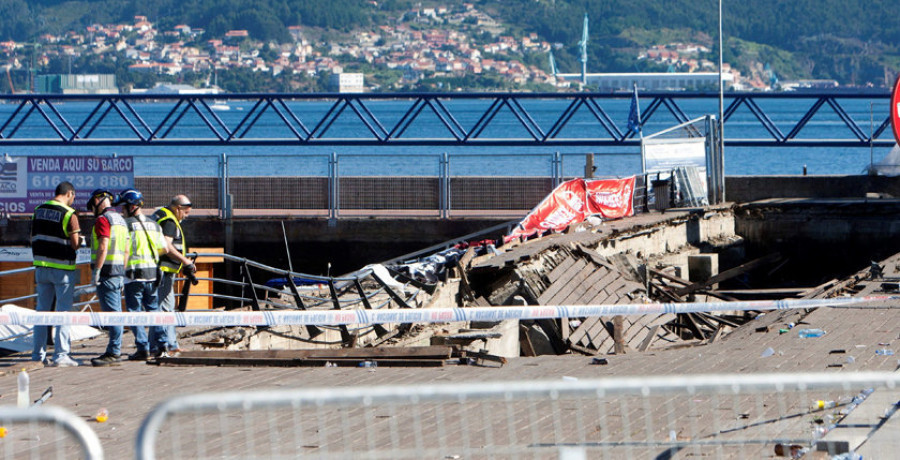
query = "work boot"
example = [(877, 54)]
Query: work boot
[(106, 359), (140, 355)]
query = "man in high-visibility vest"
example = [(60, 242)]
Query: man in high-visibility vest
[(55, 236), (110, 244), (169, 218), (141, 278)]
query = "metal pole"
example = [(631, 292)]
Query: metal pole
[(332, 187), (721, 162), (871, 135), (287, 248), (557, 169), (445, 185)]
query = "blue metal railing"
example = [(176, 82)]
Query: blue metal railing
[(420, 119)]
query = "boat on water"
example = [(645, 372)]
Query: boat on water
[(220, 106)]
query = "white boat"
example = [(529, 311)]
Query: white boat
[(219, 106)]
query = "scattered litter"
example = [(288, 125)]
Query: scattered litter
[(3, 431), (836, 365), (850, 360), (793, 450), (368, 364), (759, 316), (767, 352), (600, 361), (44, 397), (673, 436), (890, 287), (782, 331), (808, 333), (102, 415), (884, 352), (762, 329), (571, 379), (837, 351)]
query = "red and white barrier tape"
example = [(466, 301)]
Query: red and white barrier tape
[(429, 315)]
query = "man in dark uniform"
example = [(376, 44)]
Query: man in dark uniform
[(55, 236)]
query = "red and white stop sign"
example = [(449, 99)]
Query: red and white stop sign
[(895, 110)]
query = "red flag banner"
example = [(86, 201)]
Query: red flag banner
[(611, 198), (563, 207)]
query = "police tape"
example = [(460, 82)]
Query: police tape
[(428, 315)]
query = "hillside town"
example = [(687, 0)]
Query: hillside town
[(424, 43)]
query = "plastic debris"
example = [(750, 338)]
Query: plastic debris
[(767, 352), (22, 398), (807, 333), (793, 450), (102, 415), (823, 404)]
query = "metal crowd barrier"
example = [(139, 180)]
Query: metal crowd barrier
[(718, 416), (46, 432)]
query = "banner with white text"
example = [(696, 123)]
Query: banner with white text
[(27, 182), (573, 201)]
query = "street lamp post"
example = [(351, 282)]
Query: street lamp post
[(721, 162)]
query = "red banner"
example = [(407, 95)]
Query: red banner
[(611, 198), (573, 201), (563, 207)]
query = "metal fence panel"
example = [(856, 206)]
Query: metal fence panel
[(498, 193), (279, 192), (724, 416), (158, 191), (389, 193), (46, 432)]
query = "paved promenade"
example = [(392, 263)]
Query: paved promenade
[(131, 390)]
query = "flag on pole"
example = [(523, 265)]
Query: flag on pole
[(634, 114)]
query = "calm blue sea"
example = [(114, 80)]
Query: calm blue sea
[(426, 160)]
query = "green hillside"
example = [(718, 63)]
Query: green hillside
[(853, 42)]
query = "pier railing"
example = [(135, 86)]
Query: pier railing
[(418, 119), (447, 185)]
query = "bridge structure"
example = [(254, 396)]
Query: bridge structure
[(442, 119)]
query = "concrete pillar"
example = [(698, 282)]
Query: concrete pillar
[(702, 267)]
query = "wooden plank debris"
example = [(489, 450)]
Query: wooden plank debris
[(433, 356)]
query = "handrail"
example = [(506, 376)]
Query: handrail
[(237, 129), (337, 287)]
